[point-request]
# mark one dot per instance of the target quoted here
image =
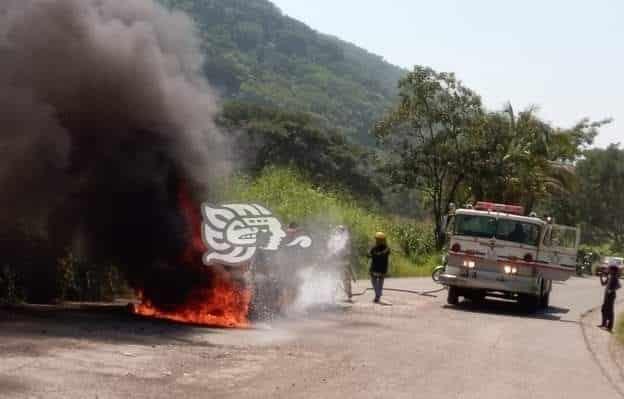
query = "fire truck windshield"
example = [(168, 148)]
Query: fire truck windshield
[(518, 232), (501, 229), (475, 226)]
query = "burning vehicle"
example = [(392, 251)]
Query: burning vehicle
[(108, 139), (109, 143)]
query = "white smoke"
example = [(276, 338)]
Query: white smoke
[(320, 287), (322, 283), (338, 241)]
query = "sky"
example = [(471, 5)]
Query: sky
[(565, 57)]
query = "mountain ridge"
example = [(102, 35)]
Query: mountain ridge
[(255, 53)]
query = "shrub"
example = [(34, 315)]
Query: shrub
[(9, 291), (291, 195), (80, 280), (415, 239)]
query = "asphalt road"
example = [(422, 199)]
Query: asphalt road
[(418, 347)]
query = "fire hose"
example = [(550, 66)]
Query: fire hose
[(421, 293)]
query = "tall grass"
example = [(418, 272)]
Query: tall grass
[(83, 280), (9, 289), (291, 196)]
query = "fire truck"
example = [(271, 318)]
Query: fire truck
[(496, 250)]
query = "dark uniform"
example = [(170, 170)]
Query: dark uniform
[(379, 255), (608, 307)]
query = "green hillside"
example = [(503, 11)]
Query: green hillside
[(256, 53)]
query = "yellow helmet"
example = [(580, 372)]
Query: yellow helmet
[(380, 236)]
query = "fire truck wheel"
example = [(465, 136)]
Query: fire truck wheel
[(478, 296), (453, 295), (545, 301), (530, 303)]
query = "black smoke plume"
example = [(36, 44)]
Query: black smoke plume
[(103, 115)]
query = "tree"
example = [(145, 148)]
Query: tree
[(267, 136), (601, 195), (430, 136), (518, 158), (541, 158)]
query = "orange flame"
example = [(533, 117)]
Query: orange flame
[(224, 303)]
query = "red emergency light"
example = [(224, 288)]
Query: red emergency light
[(503, 208)]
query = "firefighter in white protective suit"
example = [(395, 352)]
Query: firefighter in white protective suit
[(339, 250)]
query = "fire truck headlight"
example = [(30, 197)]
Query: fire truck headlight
[(508, 269), (514, 270), (470, 264)]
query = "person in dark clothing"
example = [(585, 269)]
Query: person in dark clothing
[(379, 255), (608, 307)]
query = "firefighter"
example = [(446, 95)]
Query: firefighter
[(612, 284), (292, 230), (339, 257), (379, 255)]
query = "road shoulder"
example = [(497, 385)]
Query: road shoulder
[(606, 351)]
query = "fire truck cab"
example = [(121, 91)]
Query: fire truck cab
[(496, 251)]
